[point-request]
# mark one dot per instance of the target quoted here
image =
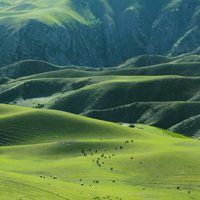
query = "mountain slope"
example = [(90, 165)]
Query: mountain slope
[(158, 97), (25, 68), (96, 33), (98, 160), (29, 126), (153, 100)]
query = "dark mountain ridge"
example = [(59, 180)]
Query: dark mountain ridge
[(97, 33)]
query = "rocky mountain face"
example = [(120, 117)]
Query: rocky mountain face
[(97, 32)]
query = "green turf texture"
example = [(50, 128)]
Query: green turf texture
[(41, 158)]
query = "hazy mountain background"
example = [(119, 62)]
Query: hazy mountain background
[(96, 32)]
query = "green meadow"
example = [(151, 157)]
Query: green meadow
[(47, 154)]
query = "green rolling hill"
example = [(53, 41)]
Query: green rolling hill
[(168, 115), (162, 95), (25, 68), (49, 154)]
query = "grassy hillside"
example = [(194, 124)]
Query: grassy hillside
[(156, 95), (182, 69), (147, 60), (168, 115), (55, 155), (124, 90), (25, 68)]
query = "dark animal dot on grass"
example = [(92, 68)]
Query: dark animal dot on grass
[(115, 148), (132, 141), (82, 151), (82, 184), (121, 147), (113, 181), (80, 179), (178, 188), (188, 192), (132, 126), (113, 155), (131, 158), (97, 181), (111, 169)]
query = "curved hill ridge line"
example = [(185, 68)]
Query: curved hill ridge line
[(59, 125), (41, 68)]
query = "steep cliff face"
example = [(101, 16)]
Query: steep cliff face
[(96, 33)]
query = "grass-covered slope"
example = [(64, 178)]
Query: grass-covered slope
[(26, 68), (124, 90), (29, 126), (156, 95), (168, 115), (182, 69), (55, 155)]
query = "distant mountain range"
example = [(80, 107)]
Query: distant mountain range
[(96, 32)]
